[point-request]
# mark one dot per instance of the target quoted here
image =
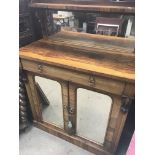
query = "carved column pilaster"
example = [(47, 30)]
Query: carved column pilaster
[(22, 103)]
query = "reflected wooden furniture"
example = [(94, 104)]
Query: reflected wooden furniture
[(109, 26), (104, 64), (61, 19)]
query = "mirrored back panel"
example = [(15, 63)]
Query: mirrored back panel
[(93, 111), (50, 100), (94, 23)]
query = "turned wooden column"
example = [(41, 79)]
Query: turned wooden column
[(22, 103)]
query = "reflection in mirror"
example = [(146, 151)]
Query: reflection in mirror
[(51, 100), (94, 23), (93, 111)]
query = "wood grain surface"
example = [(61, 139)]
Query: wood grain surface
[(101, 83), (111, 57), (87, 5)]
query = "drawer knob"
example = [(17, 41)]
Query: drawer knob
[(92, 81), (40, 68)]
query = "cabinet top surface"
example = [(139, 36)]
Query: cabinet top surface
[(124, 6), (99, 55)]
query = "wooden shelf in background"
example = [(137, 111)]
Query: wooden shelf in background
[(86, 5)]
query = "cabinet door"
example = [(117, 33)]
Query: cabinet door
[(48, 99), (50, 95), (96, 116), (93, 110)]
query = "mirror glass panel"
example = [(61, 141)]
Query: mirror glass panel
[(51, 100), (94, 23), (93, 111)]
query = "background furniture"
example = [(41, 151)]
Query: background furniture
[(109, 26), (26, 34), (23, 118), (62, 18)]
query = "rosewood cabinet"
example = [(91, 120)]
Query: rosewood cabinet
[(77, 67), (77, 72)]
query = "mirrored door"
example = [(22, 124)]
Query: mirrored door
[(93, 110), (50, 96)]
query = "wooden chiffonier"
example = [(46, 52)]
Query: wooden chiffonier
[(81, 62)]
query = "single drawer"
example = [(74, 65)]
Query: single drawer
[(101, 83)]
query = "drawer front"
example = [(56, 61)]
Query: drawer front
[(88, 80)]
